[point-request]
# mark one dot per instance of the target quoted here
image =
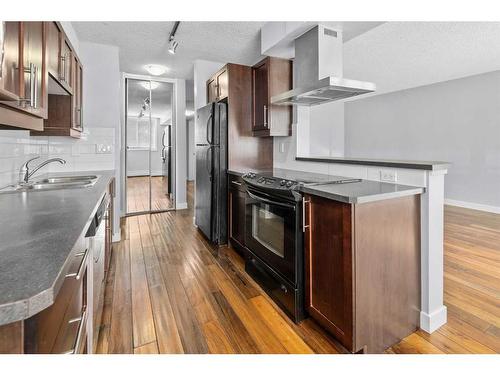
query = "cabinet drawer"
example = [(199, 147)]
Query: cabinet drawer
[(236, 182), (70, 338), (43, 330)]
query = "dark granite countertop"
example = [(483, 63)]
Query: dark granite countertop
[(38, 232), (361, 192), (354, 192), (406, 164)]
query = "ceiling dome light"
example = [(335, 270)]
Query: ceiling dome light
[(150, 84), (155, 69)]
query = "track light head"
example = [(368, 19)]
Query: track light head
[(172, 46)]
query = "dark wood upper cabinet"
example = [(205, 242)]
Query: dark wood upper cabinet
[(212, 90), (67, 65), (65, 87), (54, 35), (362, 269), (222, 85), (9, 72), (232, 84), (77, 95), (217, 86), (23, 81), (270, 77), (35, 69)]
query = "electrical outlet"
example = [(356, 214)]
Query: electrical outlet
[(388, 175), (103, 149)]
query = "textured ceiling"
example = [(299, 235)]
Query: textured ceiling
[(144, 43)]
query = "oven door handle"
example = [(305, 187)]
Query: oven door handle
[(264, 200)]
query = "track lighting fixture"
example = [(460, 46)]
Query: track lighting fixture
[(172, 43)]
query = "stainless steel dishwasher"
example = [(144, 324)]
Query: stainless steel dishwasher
[(96, 280)]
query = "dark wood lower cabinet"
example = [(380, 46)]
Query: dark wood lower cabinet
[(236, 205), (363, 270), (329, 292), (66, 325), (61, 328)]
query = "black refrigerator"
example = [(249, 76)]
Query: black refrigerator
[(211, 172)]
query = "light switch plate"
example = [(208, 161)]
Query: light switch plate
[(282, 147), (388, 175), (103, 149)]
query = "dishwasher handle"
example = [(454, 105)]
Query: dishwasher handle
[(99, 215)]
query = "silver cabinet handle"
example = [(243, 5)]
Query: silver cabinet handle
[(265, 116), (81, 329), (32, 100), (78, 275), (304, 226), (236, 183), (3, 31), (62, 73)]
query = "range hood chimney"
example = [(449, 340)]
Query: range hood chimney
[(318, 71)]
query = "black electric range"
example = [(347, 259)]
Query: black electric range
[(274, 233)]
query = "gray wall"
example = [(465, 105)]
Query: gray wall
[(456, 121)]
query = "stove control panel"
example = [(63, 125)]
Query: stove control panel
[(270, 182)]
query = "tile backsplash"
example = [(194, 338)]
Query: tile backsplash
[(16, 146)]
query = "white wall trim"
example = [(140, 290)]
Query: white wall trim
[(143, 172), (181, 206), (117, 236), (473, 206), (430, 322), (123, 154)]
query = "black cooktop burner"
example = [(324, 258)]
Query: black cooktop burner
[(286, 181)]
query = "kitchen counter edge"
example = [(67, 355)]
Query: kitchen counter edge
[(14, 311), (404, 164)]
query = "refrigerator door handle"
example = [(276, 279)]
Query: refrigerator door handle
[(163, 139), (208, 122), (208, 166)]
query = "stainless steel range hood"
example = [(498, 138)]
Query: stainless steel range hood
[(318, 71)]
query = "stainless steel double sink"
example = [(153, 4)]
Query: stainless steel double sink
[(54, 183)]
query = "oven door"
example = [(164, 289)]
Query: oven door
[(270, 231)]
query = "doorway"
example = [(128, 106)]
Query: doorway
[(150, 147)]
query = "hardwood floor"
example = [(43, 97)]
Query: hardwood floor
[(138, 194), (170, 291)]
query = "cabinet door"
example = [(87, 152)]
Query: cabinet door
[(222, 85), (260, 95), (212, 91), (34, 81), (329, 289), (9, 61), (77, 94), (53, 49), (237, 216), (67, 69)]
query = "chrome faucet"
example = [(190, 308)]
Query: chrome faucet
[(25, 173)]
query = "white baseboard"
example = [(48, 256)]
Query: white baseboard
[(473, 206), (143, 173), (181, 206), (430, 322), (117, 236)]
